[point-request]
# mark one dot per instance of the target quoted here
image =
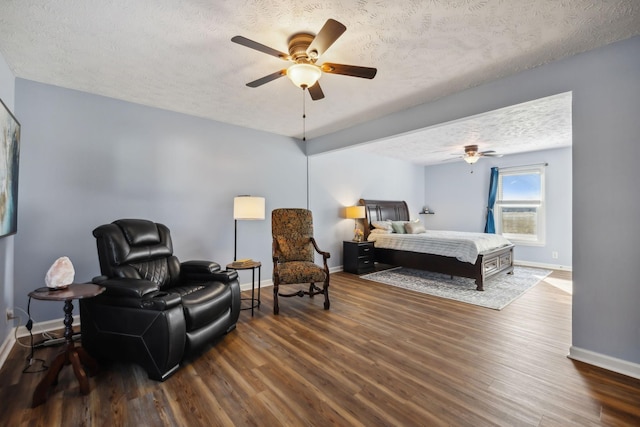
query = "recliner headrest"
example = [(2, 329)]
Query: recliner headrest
[(139, 231)]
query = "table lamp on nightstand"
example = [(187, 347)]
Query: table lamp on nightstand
[(356, 213)]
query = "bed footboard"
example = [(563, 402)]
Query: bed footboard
[(492, 263)]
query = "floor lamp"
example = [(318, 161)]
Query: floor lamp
[(245, 208)]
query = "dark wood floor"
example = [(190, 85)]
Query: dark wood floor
[(380, 356)]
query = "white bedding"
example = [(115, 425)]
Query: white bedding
[(463, 246)]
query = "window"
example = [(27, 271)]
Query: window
[(520, 204)]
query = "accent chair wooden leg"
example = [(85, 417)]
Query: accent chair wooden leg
[(325, 289), (276, 308)]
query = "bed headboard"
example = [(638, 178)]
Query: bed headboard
[(380, 210)]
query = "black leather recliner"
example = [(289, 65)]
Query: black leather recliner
[(155, 311)]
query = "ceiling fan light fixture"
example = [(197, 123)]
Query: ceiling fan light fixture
[(304, 75), (471, 159)]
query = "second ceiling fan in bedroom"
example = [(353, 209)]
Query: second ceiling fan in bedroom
[(472, 155), (304, 51)]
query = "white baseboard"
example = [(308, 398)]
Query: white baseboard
[(6, 347), (263, 284), (609, 363), (542, 265), (46, 326)]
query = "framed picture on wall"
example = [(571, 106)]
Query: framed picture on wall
[(9, 157)]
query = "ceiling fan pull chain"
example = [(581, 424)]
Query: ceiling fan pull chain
[(304, 117)]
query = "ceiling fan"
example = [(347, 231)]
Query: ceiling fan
[(304, 50), (472, 155)]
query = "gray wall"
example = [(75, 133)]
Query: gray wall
[(459, 199), (7, 91), (341, 178), (606, 202), (88, 160)]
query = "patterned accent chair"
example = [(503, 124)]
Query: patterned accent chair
[(293, 255)]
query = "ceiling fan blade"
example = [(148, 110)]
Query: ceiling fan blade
[(349, 70), (327, 35), (260, 47), (489, 153), (267, 79), (316, 92)]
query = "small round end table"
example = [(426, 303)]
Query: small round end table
[(72, 354), (250, 265)]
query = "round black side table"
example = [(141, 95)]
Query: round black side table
[(252, 265)]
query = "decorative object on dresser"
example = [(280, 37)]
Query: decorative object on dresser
[(504, 289), (495, 256), (245, 208), (355, 213), (293, 255), (358, 257), (156, 311)]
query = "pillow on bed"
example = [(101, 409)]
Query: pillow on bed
[(382, 225), (414, 227), (398, 227), (380, 231)]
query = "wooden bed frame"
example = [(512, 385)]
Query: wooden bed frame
[(487, 265)]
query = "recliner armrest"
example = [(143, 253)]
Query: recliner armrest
[(136, 293), (225, 276), (198, 269), (154, 301), (205, 270), (160, 301), (125, 287)]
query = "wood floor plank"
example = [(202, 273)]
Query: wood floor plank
[(382, 356)]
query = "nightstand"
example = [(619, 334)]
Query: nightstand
[(357, 257)]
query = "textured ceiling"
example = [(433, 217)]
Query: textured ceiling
[(177, 54), (541, 124)]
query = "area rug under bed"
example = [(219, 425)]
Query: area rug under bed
[(499, 291)]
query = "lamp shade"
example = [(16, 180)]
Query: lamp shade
[(355, 212), (304, 75), (248, 207)]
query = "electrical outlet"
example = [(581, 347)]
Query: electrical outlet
[(554, 255)]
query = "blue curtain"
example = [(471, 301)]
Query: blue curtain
[(490, 227)]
